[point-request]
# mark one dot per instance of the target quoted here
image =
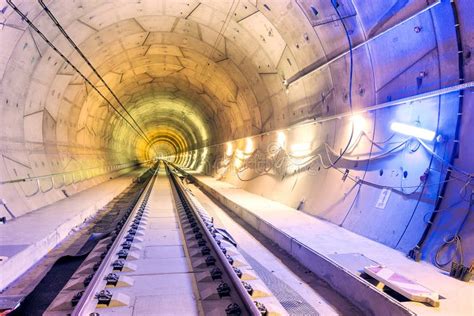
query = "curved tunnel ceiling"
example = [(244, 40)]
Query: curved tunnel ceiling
[(176, 66), (221, 66)]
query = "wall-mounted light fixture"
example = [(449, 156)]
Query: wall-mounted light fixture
[(238, 158), (413, 131), (300, 149), (248, 145), (229, 149), (281, 139), (359, 123)]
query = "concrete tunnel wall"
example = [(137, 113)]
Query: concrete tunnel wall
[(201, 77)]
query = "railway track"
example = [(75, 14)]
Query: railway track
[(87, 287), (214, 262), (166, 243)]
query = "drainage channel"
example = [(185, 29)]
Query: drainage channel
[(226, 283), (87, 288)]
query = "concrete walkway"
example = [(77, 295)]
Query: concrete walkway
[(339, 255), (25, 240), (297, 291)]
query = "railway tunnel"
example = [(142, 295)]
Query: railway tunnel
[(280, 157)]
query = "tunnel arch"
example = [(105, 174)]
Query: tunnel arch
[(199, 74)]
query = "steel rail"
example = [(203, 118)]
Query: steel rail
[(250, 306), (88, 302)]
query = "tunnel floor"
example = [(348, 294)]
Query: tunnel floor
[(293, 265)]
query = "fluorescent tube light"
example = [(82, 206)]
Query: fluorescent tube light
[(413, 131)]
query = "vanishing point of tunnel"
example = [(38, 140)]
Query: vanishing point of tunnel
[(236, 157)]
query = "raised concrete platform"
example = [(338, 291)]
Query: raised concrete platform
[(25, 240), (339, 256)]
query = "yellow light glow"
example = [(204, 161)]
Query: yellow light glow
[(238, 160), (359, 123), (281, 139), (203, 160), (239, 154), (300, 149), (230, 150), (248, 145)]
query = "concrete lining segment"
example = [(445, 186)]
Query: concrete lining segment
[(314, 242), (38, 232)]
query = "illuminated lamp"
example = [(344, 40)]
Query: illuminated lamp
[(413, 131)]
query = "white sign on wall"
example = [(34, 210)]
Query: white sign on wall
[(383, 198)]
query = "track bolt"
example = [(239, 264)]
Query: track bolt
[(122, 254), (216, 273), (88, 280), (112, 279), (210, 260), (104, 297), (205, 250), (96, 266), (223, 289), (233, 309), (263, 310), (76, 298), (238, 272), (248, 287), (118, 264)]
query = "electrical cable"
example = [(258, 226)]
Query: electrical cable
[(79, 51), (351, 72), (441, 210), (50, 44), (456, 238), (446, 243), (371, 158), (423, 184), (281, 156), (415, 253), (452, 166), (359, 187)]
